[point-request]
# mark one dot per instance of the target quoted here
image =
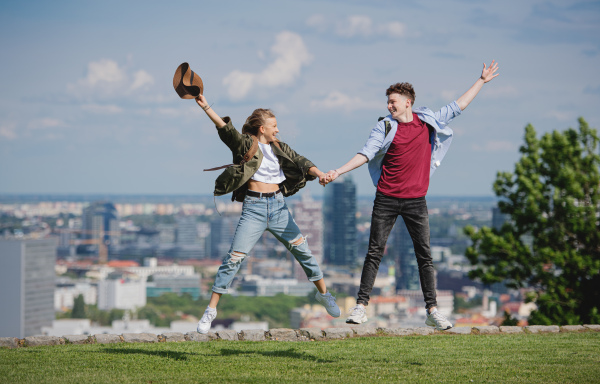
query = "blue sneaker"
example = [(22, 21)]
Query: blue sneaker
[(328, 302)]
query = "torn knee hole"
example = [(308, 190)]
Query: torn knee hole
[(236, 257), (299, 241)]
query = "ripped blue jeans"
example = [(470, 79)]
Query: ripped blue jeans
[(260, 214)]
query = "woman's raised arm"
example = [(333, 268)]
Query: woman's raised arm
[(203, 103)]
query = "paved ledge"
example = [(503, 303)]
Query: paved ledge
[(286, 334)]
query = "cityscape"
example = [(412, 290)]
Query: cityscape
[(117, 254)]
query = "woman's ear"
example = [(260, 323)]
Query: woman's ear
[(261, 129)]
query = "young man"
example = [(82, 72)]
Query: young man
[(403, 150)]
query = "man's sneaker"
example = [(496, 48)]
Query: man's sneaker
[(437, 320), (206, 320), (328, 302), (358, 315)]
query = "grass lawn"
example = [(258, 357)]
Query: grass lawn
[(534, 358)]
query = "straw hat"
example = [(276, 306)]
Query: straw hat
[(187, 84)]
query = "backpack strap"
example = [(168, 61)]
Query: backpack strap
[(249, 155), (388, 126)]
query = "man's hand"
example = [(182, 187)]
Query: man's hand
[(489, 73)]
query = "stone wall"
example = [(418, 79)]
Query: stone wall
[(284, 334)]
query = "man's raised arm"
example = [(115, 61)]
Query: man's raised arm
[(487, 74), (354, 163)]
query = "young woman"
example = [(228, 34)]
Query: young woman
[(275, 171)]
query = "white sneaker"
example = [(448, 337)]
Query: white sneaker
[(328, 302), (437, 320), (358, 315), (206, 320)]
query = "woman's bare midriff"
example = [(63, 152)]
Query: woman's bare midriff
[(259, 186)]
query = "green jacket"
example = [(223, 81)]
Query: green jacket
[(235, 178)]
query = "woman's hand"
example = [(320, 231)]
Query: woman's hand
[(202, 102)]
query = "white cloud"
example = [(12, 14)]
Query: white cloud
[(448, 95), (102, 109), (356, 26), (559, 115), (103, 72), (394, 29), (7, 131), (106, 78), (289, 56), (173, 112), (140, 79), (496, 146), (318, 22), (340, 100), (44, 123)]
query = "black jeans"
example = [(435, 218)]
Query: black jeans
[(385, 212)]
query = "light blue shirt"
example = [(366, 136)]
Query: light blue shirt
[(378, 143)]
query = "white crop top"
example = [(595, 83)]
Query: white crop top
[(269, 172)]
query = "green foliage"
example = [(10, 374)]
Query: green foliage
[(509, 320), (171, 306), (552, 242), (78, 311), (549, 358), (461, 304), (104, 318)]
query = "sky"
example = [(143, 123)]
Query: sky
[(87, 103)]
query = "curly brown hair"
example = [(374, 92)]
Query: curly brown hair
[(255, 120), (404, 89)]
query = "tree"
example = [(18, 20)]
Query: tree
[(551, 244), (78, 308)]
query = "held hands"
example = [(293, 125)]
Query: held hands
[(489, 73), (328, 177)]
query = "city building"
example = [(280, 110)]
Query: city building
[(339, 219), (100, 227), (179, 284), (26, 286), (66, 291), (308, 214), (121, 291), (253, 285), (186, 233), (222, 229), (407, 269)]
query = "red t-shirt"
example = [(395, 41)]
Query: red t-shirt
[(405, 171)]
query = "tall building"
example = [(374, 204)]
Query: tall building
[(308, 214), (339, 217), (99, 223), (222, 229), (407, 269), (26, 286), (187, 233), (188, 245)]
